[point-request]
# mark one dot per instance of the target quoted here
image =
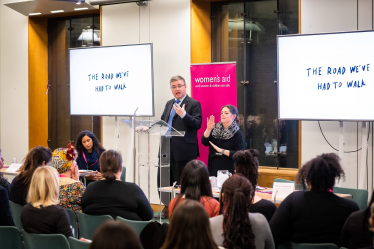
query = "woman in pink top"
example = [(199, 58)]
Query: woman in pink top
[(195, 185)]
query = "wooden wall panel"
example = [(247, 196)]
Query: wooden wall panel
[(268, 174), (38, 80), (200, 32)]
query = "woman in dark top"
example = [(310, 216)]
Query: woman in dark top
[(113, 196), (5, 214), (246, 164), (318, 215), (42, 214), (19, 188), (356, 232), (223, 139), (89, 151)]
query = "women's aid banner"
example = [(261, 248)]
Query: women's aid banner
[(213, 85)]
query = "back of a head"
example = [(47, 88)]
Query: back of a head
[(115, 235), (245, 164), (195, 181), (110, 164), (237, 194), (189, 228), (44, 187), (35, 158), (321, 172)]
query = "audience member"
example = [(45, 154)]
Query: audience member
[(236, 227), (89, 152), (3, 182), (356, 232), (19, 188), (246, 164), (42, 214), (5, 214), (113, 196), (371, 223), (195, 185), (189, 228), (71, 189), (115, 235), (318, 215), (223, 139)]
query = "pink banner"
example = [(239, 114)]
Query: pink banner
[(214, 85)]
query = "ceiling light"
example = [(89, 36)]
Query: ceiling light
[(78, 2), (33, 14), (56, 11), (81, 8)]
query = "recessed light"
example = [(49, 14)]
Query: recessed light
[(85, 8), (33, 14), (78, 2), (57, 11)]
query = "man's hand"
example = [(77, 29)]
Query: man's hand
[(179, 110)]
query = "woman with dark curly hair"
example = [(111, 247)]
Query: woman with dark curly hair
[(236, 228), (195, 185), (89, 151), (246, 164), (317, 215)]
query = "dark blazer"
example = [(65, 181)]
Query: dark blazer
[(185, 148)]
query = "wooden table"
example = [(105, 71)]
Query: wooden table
[(264, 194)]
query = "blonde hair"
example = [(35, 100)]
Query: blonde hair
[(44, 187)]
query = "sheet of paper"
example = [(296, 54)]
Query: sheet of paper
[(13, 168), (281, 189)]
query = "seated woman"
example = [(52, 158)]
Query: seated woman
[(19, 188), (3, 182), (114, 235), (318, 215), (236, 228), (356, 232), (245, 164), (89, 151), (71, 189), (189, 228), (223, 139), (5, 214), (42, 214), (195, 185), (114, 197)]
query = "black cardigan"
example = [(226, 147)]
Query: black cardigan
[(116, 198), (311, 217), (222, 162)]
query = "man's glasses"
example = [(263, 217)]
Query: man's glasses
[(177, 87)]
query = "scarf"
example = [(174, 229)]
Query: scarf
[(219, 132), (91, 159)]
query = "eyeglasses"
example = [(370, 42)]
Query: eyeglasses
[(177, 87)]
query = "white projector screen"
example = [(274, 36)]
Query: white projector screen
[(112, 80), (326, 76)]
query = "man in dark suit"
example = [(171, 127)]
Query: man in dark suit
[(183, 113)]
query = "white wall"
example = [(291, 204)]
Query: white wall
[(13, 83), (331, 16), (166, 24)]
